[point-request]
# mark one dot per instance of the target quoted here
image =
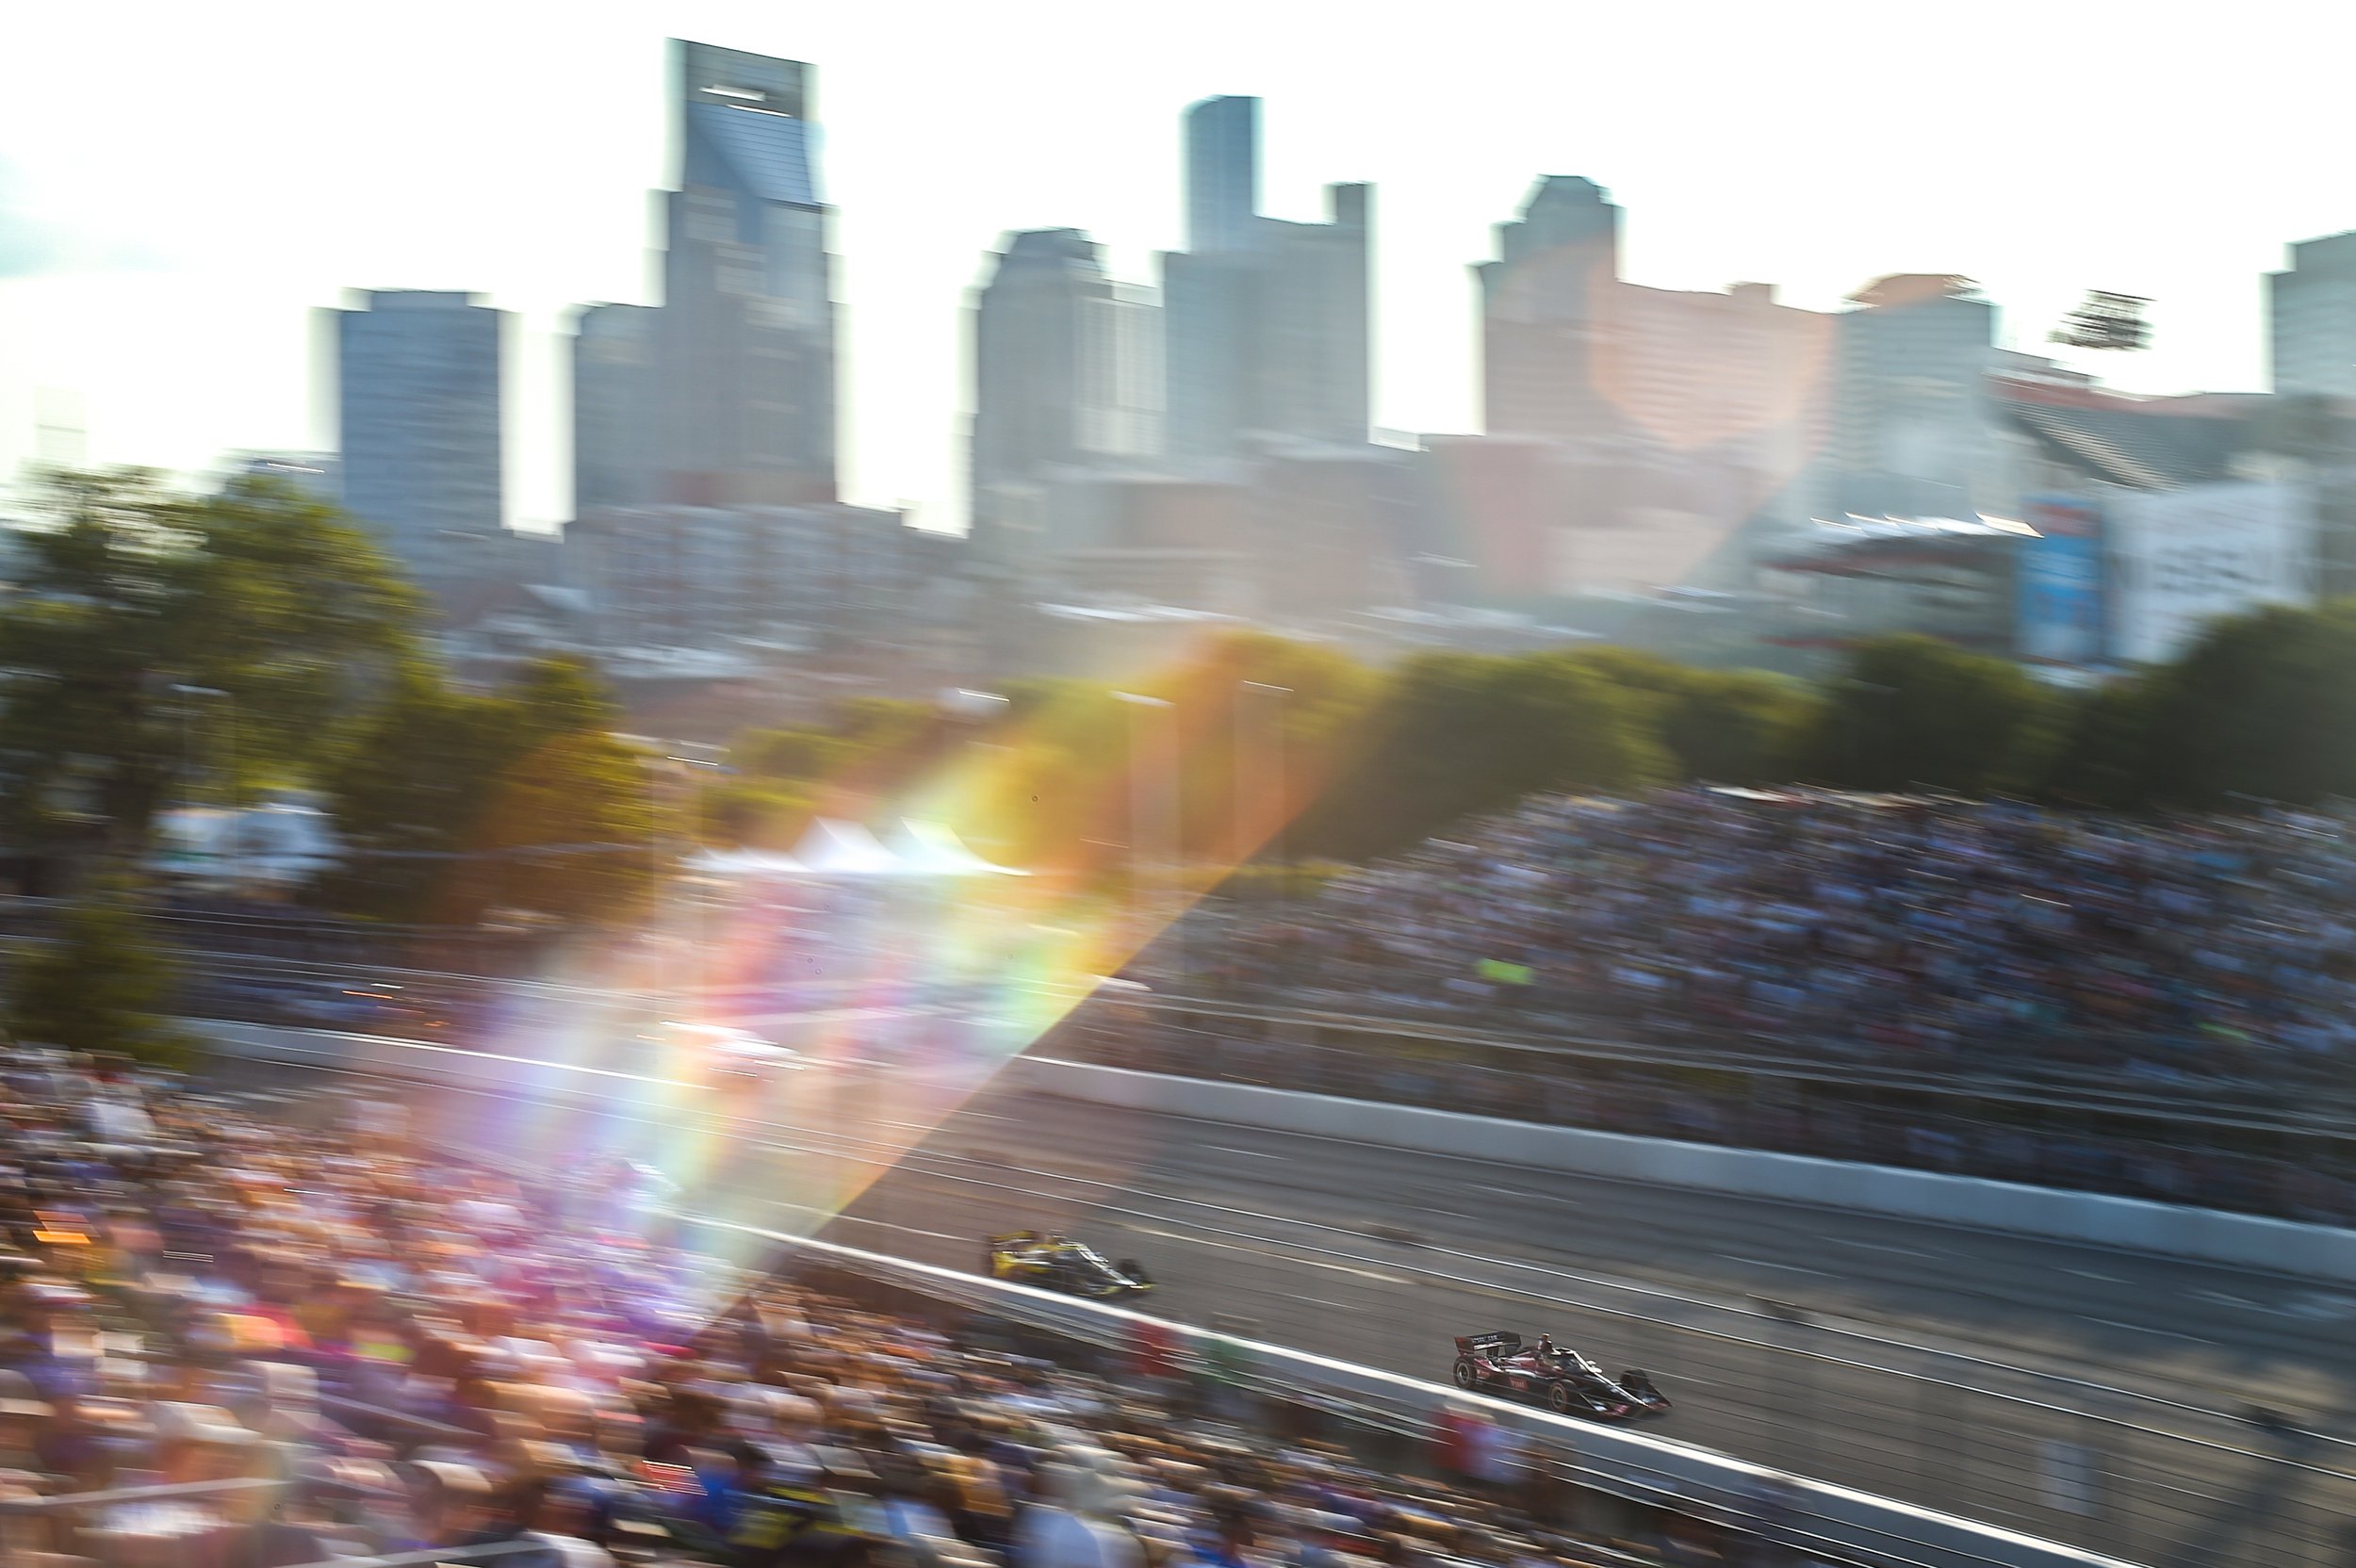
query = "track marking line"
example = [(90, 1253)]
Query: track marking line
[(2142, 1328), (887, 1225), (2305, 1310), (1883, 1247), (1262, 1252), (1762, 1263), (1255, 1154), (2092, 1274)]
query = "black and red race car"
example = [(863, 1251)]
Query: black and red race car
[(1565, 1382)]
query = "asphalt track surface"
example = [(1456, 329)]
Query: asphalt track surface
[(2091, 1397)]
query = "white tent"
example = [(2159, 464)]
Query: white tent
[(935, 850), (845, 849), (743, 862), (278, 842)]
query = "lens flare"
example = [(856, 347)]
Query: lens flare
[(896, 976)]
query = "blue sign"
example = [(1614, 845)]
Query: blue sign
[(2059, 616)]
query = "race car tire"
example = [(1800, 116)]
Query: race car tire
[(1466, 1374), (1559, 1399), (1135, 1270)]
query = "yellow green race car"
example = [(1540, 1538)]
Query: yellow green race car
[(1057, 1262)]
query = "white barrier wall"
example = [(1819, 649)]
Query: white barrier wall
[(2208, 1235), (2248, 1241)]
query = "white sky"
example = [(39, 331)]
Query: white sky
[(179, 185)]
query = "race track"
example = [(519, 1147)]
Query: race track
[(2086, 1396)]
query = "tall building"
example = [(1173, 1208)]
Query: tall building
[(1223, 175), (1265, 322), (730, 384), (1065, 377), (418, 396), (1310, 329), (616, 441), (1539, 302), (2312, 318), (1913, 427)]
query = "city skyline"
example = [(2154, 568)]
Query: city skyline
[(105, 291)]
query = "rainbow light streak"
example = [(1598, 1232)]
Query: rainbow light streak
[(931, 986)]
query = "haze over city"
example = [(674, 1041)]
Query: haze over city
[(1246, 785), (164, 279)]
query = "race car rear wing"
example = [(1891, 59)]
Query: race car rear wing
[(1488, 1345)]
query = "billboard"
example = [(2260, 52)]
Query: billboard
[(2180, 559), (2059, 619)]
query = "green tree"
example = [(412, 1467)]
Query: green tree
[(568, 835), (1911, 711), (2264, 705), (1722, 726), (1460, 735), (2108, 750), (248, 628), (796, 756), (100, 983), (451, 803)]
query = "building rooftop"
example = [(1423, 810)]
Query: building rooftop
[(1907, 289), (2141, 443)]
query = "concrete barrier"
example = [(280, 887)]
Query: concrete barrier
[(2208, 1235)]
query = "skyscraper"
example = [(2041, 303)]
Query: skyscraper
[(1066, 376), (1265, 322), (733, 378), (2312, 317), (417, 377), (1223, 175), (748, 301), (617, 439), (1310, 330), (1540, 303)]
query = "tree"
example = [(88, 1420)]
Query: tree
[(257, 619), (1913, 711), (452, 802), (2263, 706), (2107, 752), (787, 755), (1738, 726), (100, 983), (567, 836), (1461, 734)]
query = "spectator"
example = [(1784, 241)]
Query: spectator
[(562, 1393)]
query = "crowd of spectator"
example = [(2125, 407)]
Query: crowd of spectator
[(1933, 935), (226, 1343)]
